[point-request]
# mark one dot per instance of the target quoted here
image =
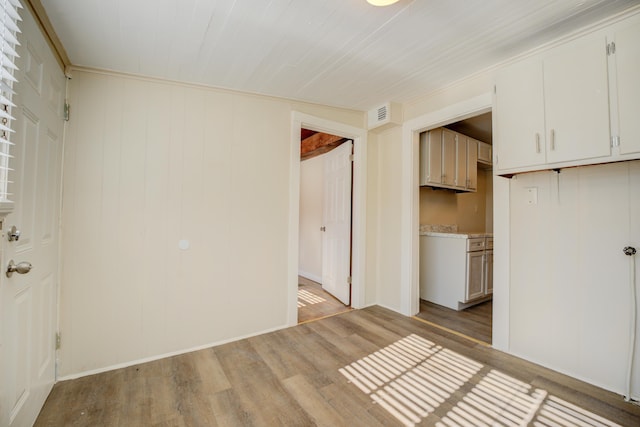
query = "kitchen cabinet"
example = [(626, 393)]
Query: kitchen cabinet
[(472, 162), (484, 153), (554, 108), (488, 272), (456, 270), (448, 160), (626, 61), (475, 276), (573, 105), (461, 167), (431, 157)]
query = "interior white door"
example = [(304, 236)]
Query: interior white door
[(336, 241), (28, 302)]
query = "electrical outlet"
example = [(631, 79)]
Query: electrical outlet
[(532, 195)]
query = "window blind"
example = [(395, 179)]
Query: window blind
[(9, 20)]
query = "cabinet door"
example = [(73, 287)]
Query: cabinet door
[(472, 164), (488, 273), (627, 58), (431, 157), (475, 275), (519, 120), (448, 157), (461, 161), (484, 152), (577, 101)]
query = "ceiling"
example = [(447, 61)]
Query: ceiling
[(477, 127), (342, 53)]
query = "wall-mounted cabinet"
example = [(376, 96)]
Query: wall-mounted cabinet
[(561, 108), (449, 159), (484, 153), (626, 62)]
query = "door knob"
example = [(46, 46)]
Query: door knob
[(13, 234), (21, 268)]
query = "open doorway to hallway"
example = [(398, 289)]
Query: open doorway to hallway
[(326, 186), (456, 227)]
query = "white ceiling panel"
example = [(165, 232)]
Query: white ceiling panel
[(335, 52)]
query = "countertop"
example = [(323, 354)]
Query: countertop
[(457, 235)]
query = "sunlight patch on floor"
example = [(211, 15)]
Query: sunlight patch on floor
[(413, 377), (305, 297)]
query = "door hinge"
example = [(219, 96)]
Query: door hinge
[(67, 109), (615, 141), (58, 340), (611, 48), (349, 279), (351, 157), (495, 89)]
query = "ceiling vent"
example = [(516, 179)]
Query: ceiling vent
[(384, 116)]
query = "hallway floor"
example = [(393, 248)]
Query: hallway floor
[(315, 303)]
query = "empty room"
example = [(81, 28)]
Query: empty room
[(185, 185)]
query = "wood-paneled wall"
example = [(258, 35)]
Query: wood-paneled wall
[(175, 218)]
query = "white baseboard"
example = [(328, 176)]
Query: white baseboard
[(310, 276), (164, 355)]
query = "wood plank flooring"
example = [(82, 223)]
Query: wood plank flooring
[(475, 321), (329, 373), (316, 303)]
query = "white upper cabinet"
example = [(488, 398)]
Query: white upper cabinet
[(448, 159), (519, 116), (472, 162), (553, 108), (576, 94), (626, 57), (484, 153), (462, 165), (431, 157)]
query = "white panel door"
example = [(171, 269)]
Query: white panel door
[(336, 241), (28, 310)]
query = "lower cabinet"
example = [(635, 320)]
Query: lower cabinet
[(456, 270), (475, 276)]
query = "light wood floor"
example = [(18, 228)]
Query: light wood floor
[(316, 303), (475, 321), (324, 373)]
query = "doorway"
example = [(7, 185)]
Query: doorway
[(447, 216), (410, 220), (358, 242), (325, 225)]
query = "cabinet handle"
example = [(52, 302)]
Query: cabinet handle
[(537, 142), (553, 139)]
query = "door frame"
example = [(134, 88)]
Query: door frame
[(301, 120), (410, 220)]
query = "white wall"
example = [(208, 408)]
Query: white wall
[(570, 292), (148, 164), (385, 169), (310, 249)]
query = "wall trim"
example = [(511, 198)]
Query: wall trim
[(310, 276), (165, 355), (358, 248), (40, 16)]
